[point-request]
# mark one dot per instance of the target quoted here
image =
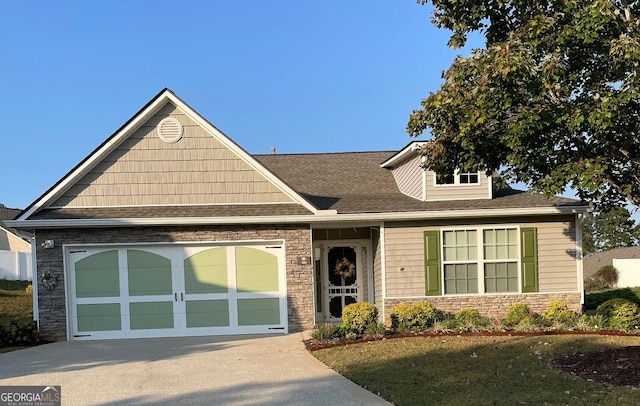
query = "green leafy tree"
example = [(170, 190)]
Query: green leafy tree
[(609, 229), (552, 100)]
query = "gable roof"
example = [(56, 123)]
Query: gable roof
[(355, 182), (110, 144), (596, 260)]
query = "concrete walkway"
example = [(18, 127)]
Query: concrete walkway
[(244, 370)]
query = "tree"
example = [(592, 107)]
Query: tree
[(552, 100), (609, 229)]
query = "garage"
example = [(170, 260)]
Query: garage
[(161, 290)]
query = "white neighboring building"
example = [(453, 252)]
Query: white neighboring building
[(628, 272)]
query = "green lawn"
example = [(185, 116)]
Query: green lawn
[(465, 370)]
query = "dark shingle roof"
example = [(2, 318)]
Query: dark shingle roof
[(171, 211), (596, 260), (354, 182)]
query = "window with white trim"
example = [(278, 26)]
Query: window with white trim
[(484, 260), (458, 178)]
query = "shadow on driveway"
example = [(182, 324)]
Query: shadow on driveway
[(238, 370)]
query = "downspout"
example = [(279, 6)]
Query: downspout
[(579, 261), (34, 273)]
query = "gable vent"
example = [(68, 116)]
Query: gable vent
[(170, 130)]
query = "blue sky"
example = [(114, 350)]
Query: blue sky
[(298, 75)]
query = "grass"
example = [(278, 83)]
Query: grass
[(455, 370), (14, 299), (15, 302)]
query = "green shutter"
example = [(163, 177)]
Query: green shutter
[(432, 270), (529, 259)]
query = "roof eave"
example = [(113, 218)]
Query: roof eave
[(297, 219)]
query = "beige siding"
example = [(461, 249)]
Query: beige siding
[(377, 268), (557, 267), (457, 192), (408, 177), (11, 242), (198, 169)]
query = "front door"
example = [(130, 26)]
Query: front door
[(341, 279)]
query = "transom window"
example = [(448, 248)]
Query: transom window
[(476, 261), (458, 178)]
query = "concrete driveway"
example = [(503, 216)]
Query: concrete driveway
[(245, 370)]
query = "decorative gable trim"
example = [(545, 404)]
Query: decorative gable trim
[(151, 108)]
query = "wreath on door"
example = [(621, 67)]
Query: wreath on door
[(344, 268)]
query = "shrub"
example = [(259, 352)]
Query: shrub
[(29, 289), (470, 320), (594, 284), (608, 274), (607, 308), (558, 311), (375, 330), (324, 331), (621, 313), (18, 331), (414, 317), (357, 316), (516, 314)]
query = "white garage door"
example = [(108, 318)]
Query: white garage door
[(167, 291)]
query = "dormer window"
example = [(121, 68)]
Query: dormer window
[(445, 179), (459, 178), (469, 178)]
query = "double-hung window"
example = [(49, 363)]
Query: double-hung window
[(460, 261), (500, 256), (481, 260)]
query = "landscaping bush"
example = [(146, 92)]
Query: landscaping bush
[(470, 320), (608, 274), (594, 284), (413, 317), (375, 330), (324, 331), (558, 311), (29, 289), (18, 331), (357, 316), (621, 313), (516, 314)]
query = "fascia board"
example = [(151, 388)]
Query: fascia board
[(304, 219), (409, 150)]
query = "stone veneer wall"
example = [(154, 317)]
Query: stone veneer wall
[(495, 306), (52, 304)]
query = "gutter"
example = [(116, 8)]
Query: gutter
[(328, 218)]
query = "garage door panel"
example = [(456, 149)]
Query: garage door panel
[(264, 311), (99, 317), (256, 270), (206, 272), (207, 313), (148, 274), (151, 315), (98, 275), (176, 290)]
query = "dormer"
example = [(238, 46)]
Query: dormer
[(425, 185)]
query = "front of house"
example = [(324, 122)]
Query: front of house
[(169, 228)]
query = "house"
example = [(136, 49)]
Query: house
[(169, 228), (596, 260), (15, 252)]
